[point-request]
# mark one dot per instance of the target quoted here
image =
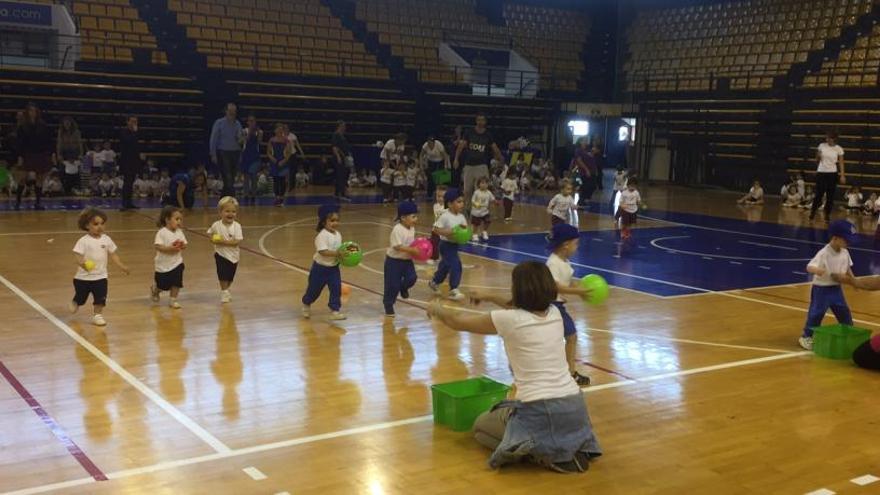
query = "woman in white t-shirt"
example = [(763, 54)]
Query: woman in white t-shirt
[(829, 172), (433, 157), (548, 423)]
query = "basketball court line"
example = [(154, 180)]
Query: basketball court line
[(256, 449), (656, 243), (120, 231)]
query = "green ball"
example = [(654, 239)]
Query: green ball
[(598, 288), (351, 254), (462, 235)]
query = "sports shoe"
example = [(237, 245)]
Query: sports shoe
[(508, 219), (433, 286), (475, 238), (72, 306), (154, 294), (485, 236), (430, 262), (578, 464), (455, 295), (174, 304), (336, 316), (581, 380), (806, 343), (306, 311), (225, 296), (404, 294), (98, 320)]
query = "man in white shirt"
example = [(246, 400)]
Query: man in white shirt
[(831, 169)]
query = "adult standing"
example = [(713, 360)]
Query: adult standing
[(434, 157), (225, 147), (830, 171), (456, 170), (584, 168), (548, 423), (35, 155), (69, 149), (342, 161), (476, 148), (131, 160), (394, 150), (251, 159)]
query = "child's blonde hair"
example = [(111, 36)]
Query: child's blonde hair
[(563, 183), (227, 200)]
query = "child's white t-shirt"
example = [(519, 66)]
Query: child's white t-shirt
[(449, 220), (561, 270), (327, 241), (387, 175), (853, 199), (831, 261), (105, 184), (828, 157), (400, 236), (399, 179), (480, 202), (411, 174), (165, 237), (509, 188), (228, 233), (96, 249), (620, 181), (801, 187), (629, 201), (438, 210), (561, 206), (756, 192)]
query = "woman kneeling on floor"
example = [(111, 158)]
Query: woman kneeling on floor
[(548, 423)]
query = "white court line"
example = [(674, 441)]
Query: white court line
[(689, 341), (656, 243), (163, 466), (768, 245), (254, 473), (821, 491), (138, 385), (865, 480)]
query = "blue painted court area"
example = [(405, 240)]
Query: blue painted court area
[(693, 258)]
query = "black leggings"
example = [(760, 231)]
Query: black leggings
[(279, 185), (865, 357), (826, 185)]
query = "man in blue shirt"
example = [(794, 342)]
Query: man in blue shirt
[(225, 147)]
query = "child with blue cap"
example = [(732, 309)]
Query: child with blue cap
[(400, 272), (450, 263), (325, 264)]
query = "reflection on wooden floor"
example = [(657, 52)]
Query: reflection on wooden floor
[(695, 394)]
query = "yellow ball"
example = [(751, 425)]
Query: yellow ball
[(89, 265), (216, 238)]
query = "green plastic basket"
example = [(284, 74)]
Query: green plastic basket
[(457, 404), (838, 341)]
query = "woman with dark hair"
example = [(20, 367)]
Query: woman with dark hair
[(548, 423), (35, 155), (69, 149), (131, 160), (830, 171)]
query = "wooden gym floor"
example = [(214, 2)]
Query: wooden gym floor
[(705, 392)]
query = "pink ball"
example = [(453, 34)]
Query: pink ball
[(425, 248)]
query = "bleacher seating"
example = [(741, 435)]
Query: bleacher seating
[(110, 30), (283, 37), (749, 41), (551, 38), (855, 66)]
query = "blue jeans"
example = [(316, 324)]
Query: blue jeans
[(567, 322), (399, 275), (321, 276), (821, 299), (450, 264)]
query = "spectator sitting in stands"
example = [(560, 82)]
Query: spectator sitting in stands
[(808, 198), (238, 185), (94, 159), (370, 179), (793, 198), (854, 199), (141, 186), (164, 182), (755, 196), (263, 181), (869, 205), (549, 181), (302, 178), (106, 186), (354, 180), (107, 156), (152, 181), (52, 184), (525, 182), (215, 185)]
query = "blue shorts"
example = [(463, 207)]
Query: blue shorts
[(568, 327)]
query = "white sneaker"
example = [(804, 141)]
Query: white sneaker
[(475, 238), (433, 286), (430, 262), (72, 306), (98, 320), (336, 316), (306, 312), (225, 296), (174, 304), (806, 343), (485, 236), (455, 295), (154, 294)]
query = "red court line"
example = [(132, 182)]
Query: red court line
[(607, 370), (71, 446)]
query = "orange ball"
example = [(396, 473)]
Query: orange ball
[(346, 289)]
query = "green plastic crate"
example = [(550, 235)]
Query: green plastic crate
[(838, 341), (457, 404)]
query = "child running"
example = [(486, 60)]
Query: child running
[(627, 212), (226, 235), (439, 209), (830, 263), (509, 188), (400, 272), (325, 267), (92, 251), (450, 264), (562, 205), (480, 202), (169, 243), (562, 244)]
